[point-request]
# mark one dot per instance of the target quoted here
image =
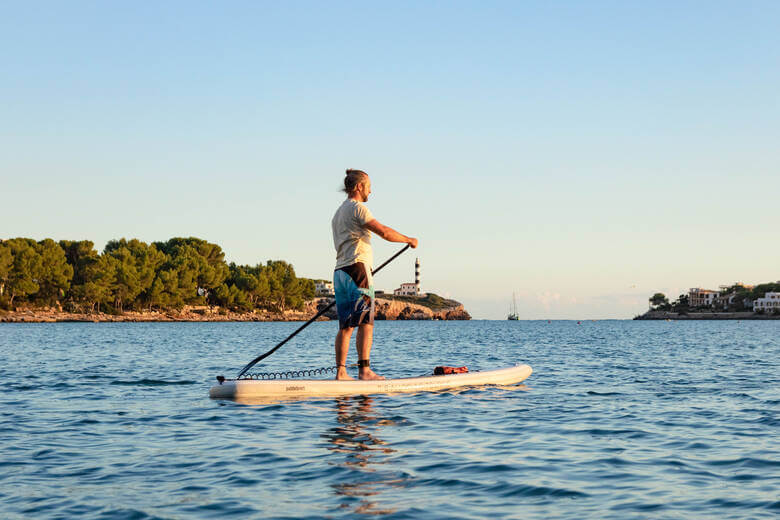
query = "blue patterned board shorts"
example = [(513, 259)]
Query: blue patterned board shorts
[(354, 290)]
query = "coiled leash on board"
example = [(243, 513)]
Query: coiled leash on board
[(252, 363)]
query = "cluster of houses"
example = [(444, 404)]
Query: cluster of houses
[(723, 299), (325, 288)]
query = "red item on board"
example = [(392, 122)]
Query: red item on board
[(443, 371)]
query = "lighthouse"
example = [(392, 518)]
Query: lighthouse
[(411, 289)]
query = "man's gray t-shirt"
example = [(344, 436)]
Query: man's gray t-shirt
[(350, 236)]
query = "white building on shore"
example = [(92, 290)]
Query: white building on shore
[(698, 297), (723, 301), (407, 289), (323, 288), (769, 303)]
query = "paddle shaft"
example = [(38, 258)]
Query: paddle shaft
[(312, 320)]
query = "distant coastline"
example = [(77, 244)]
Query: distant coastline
[(182, 279), (668, 315), (737, 301), (386, 309)]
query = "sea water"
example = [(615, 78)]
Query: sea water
[(620, 419)]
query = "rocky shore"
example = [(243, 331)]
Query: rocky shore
[(398, 310), (385, 310), (391, 309), (188, 313), (666, 315)]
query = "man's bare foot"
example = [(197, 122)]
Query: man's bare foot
[(341, 375), (369, 375)]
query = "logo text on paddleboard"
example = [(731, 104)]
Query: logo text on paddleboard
[(295, 388)]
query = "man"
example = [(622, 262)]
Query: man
[(352, 282)]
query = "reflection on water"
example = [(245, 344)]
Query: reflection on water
[(356, 441)]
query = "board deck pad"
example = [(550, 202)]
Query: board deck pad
[(251, 388)]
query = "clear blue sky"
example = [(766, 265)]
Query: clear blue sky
[(581, 154)]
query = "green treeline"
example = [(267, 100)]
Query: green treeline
[(134, 275)]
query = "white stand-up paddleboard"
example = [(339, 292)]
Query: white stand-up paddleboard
[(251, 388)]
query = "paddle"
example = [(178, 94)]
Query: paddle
[(312, 320)]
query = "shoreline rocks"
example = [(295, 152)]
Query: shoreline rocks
[(401, 310), (187, 314), (667, 315), (385, 310)]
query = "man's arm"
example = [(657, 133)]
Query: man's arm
[(389, 234)]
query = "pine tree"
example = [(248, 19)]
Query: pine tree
[(55, 275), (25, 268)]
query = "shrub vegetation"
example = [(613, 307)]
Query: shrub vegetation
[(430, 300)]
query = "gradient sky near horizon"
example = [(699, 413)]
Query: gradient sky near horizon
[(582, 155)]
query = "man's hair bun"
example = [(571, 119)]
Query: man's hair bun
[(352, 179)]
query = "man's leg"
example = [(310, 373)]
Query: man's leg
[(365, 337), (342, 347)]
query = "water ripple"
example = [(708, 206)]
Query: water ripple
[(620, 420)]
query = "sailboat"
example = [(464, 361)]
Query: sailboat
[(513, 310)]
